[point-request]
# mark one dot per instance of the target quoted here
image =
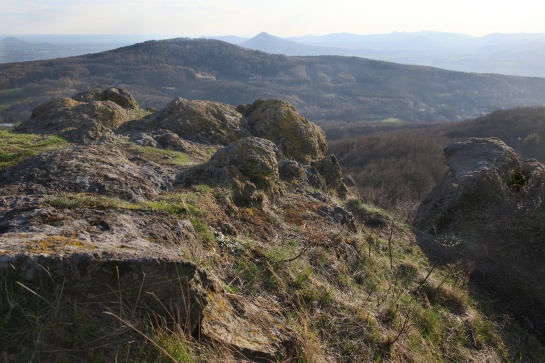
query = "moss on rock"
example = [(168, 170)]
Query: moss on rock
[(75, 121), (119, 96), (296, 137), (203, 121)]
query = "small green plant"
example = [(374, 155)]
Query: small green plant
[(85, 200), (203, 188), (517, 179)]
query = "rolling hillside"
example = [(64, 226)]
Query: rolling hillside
[(398, 164), (322, 88)]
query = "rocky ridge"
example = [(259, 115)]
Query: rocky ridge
[(96, 218), (489, 210)]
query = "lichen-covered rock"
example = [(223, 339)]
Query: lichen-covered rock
[(292, 172), (489, 209), (203, 121), (252, 157), (480, 169), (251, 331), (88, 169), (335, 181), (249, 166), (117, 95), (134, 260), (278, 121), (104, 257), (73, 120), (330, 169)]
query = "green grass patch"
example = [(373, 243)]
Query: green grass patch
[(15, 147), (166, 156), (83, 200)]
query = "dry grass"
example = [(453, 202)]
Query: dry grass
[(373, 295)]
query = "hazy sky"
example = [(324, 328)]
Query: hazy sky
[(194, 18)]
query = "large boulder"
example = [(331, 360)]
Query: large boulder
[(254, 159), (85, 117), (202, 121), (75, 121), (249, 166), (132, 262), (296, 137), (490, 211), (117, 95), (481, 172)]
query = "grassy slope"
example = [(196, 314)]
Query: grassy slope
[(351, 297)]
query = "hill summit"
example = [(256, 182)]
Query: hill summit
[(265, 151), (203, 232)]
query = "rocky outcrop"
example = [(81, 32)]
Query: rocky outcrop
[(87, 169), (203, 121), (75, 121), (254, 168), (87, 217), (481, 172), (300, 147), (84, 117), (249, 166), (132, 262), (278, 121), (117, 95), (492, 206)]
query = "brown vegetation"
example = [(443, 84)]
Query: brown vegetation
[(402, 162)]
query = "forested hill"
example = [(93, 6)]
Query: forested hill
[(322, 88)]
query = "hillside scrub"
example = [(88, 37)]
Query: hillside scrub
[(391, 168), (399, 164)]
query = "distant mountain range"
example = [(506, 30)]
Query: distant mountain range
[(514, 54), (323, 88)]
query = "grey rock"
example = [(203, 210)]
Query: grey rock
[(117, 95), (339, 215), (249, 165), (87, 169), (203, 121), (479, 171), (295, 136)]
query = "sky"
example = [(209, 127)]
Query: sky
[(283, 18)]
